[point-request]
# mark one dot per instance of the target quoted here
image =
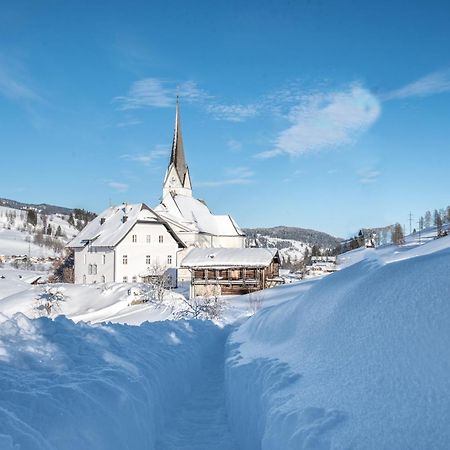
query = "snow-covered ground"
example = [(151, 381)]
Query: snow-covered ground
[(357, 359)]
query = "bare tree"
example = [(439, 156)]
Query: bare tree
[(207, 307), (255, 301)]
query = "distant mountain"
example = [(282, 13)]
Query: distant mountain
[(307, 236), (291, 241), (41, 208)]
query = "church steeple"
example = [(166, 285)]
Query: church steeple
[(177, 180)]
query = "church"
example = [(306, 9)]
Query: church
[(132, 242)]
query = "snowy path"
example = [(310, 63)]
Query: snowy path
[(201, 423)]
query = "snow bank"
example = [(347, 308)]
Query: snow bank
[(360, 360), (77, 386)]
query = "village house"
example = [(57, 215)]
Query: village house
[(126, 243), (232, 271)]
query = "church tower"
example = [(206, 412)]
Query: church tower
[(177, 180)]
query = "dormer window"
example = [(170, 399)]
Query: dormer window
[(102, 221)]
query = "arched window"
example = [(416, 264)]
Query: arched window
[(90, 269), (103, 279), (94, 269)]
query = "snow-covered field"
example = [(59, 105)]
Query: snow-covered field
[(357, 359)]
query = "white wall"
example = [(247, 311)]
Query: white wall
[(137, 251), (93, 255)]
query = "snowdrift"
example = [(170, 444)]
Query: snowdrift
[(360, 360), (78, 386)]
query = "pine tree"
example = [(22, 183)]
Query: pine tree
[(421, 223), (398, 237), (32, 217), (49, 230)]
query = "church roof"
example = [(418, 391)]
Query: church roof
[(229, 257), (177, 157), (196, 216), (113, 224)]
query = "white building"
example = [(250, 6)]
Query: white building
[(126, 243)]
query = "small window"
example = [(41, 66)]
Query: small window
[(148, 259), (103, 279), (125, 259), (134, 279), (161, 239), (84, 279), (90, 269), (103, 259), (169, 259), (134, 238), (148, 239), (94, 269), (125, 279)]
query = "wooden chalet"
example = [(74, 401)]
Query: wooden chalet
[(232, 271)]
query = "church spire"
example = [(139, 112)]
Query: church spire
[(177, 157), (177, 180)]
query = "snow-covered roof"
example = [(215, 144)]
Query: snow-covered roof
[(194, 215), (113, 224), (229, 257)]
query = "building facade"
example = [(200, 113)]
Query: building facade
[(128, 243)]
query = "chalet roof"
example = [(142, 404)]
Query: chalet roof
[(113, 224), (194, 215), (177, 157), (229, 257)]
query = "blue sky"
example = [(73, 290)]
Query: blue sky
[(326, 115)]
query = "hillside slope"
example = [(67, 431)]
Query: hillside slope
[(360, 360)]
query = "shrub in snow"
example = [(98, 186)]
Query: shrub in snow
[(49, 301), (209, 308)]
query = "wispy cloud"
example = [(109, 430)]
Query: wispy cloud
[(368, 175), (13, 85), (232, 113), (433, 83), (147, 158), (145, 93), (129, 123), (158, 93), (117, 186), (233, 176), (234, 145), (327, 120)]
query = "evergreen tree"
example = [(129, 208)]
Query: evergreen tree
[(421, 223), (58, 231), (49, 229), (438, 223), (32, 217), (398, 237)]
